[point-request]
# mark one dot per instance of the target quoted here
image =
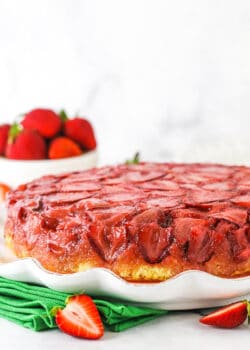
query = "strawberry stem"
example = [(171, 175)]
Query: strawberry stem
[(134, 160), (14, 132), (54, 310), (63, 115)]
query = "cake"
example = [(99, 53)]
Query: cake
[(144, 222)]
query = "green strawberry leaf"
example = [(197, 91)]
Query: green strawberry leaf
[(14, 132), (63, 115), (54, 310), (134, 160)]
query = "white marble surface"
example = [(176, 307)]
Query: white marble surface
[(173, 332), (168, 78)]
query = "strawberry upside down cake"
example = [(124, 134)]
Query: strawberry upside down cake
[(145, 222)]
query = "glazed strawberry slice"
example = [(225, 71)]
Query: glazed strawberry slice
[(194, 238), (229, 316), (108, 241), (234, 215), (200, 246), (152, 230), (204, 196), (80, 318), (154, 215), (243, 201), (154, 242), (239, 242)]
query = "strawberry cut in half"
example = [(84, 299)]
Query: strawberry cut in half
[(80, 318), (229, 316)]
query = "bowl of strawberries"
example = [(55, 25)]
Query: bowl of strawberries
[(45, 142)]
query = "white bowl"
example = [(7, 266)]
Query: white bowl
[(16, 172)]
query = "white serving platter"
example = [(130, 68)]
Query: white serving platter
[(188, 290)]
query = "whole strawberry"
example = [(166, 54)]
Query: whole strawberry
[(45, 121), (4, 131), (25, 145), (81, 131), (63, 147)]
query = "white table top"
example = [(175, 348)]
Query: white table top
[(174, 331)]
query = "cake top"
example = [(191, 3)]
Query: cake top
[(112, 190), (119, 192), (112, 204)]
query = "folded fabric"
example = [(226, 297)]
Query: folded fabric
[(118, 317), (30, 306)]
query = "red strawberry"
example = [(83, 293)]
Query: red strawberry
[(27, 145), (229, 316), (154, 242), (4, 131), (45, 121), (108, 241), (4, 189), (81, 131), (153, 235), (80, 318), (63, 147)]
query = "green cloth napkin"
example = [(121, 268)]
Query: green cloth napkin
[(30, 306)]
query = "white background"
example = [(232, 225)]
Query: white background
[(168, 78)]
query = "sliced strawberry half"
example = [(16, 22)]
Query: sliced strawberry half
[(229, 316), (152, 231), (80, 318), (108, 241), (195, 238), (239, 243)]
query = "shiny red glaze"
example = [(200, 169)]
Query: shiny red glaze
[(182, 216)]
